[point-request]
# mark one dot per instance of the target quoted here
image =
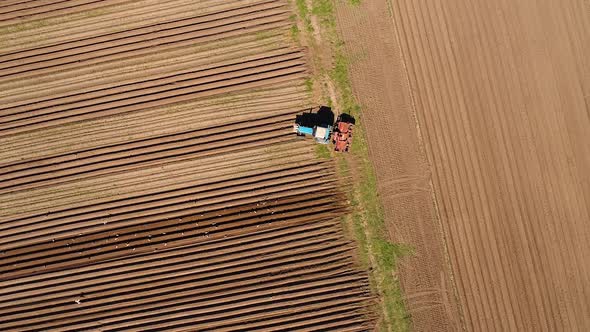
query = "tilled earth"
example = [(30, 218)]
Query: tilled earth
[(149, 179), (477, 115)]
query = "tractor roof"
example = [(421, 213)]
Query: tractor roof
[(322, 132)]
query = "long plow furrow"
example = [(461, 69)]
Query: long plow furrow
[(150, 180)]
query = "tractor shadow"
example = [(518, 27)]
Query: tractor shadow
[(325, 116), (322, 118), (347, 118)]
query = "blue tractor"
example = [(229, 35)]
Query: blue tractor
[(317, 124)]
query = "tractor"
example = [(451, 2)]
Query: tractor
[(320, 125)]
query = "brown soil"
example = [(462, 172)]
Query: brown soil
[(500, 93), (149, 178), (404, 180)]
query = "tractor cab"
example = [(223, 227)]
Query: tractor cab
[(322, 134), (317, 124)]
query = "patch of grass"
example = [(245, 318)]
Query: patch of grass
[(322, 151), (295, 33), (354, 2), (309, 85), (361, 239), (340, 77), (303, 12), (324, 10)]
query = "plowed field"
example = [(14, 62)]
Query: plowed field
[(478, 124), (149, 179)]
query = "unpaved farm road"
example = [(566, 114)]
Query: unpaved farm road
[(479, 129)]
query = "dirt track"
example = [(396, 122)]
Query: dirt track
[(500, 93), (149, 179)]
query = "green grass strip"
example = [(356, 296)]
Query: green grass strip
[(367, 219)]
